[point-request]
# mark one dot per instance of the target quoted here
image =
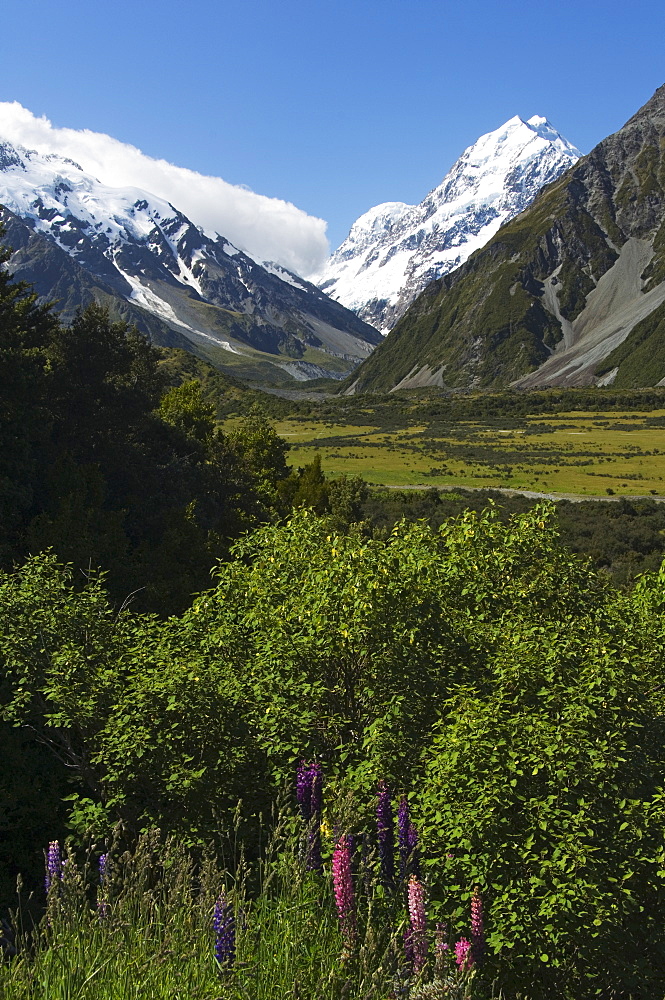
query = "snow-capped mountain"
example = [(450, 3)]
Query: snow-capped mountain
[(76, 240), (395, 249)]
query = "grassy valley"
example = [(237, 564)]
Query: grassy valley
[(424, 442)]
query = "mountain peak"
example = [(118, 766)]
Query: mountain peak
[(572, 293), (394, 249)]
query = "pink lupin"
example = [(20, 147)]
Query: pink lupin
[(418, 940), (343, 887)]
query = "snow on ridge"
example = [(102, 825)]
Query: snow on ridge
[(280, 272), (261, 226), (155, 304), (394, 250)]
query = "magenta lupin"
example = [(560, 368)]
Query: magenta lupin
[(464, 954)]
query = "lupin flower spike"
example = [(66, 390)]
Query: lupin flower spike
[(309, 794), (416, 903), (304, 791), (407, 835), (224, 926), (103, 908), (343, 887), (464, 954), (477, 926), (386, 837), (53, 865)]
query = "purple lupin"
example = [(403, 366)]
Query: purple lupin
[(407, 836), (224, 927), (304, 791), (385, 834), (53, 865), (102, 901), (309, 795)]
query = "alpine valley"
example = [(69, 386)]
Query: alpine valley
[(78, 241), (570, 292)]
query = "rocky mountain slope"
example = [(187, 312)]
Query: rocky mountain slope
[(570, 292), (395, 250), (77, 240)]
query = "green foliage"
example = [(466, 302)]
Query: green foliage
[(25, 329), (146, 735), (347, 644), (548, 794), (306, 487), (184, 407), (263, 453), (100, 463)]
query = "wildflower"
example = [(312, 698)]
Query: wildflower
[(441, 949), (53, 865), (224, 926), (407, 836), (304, 791), (103, 908), (477, 927), (343, 887), (384, 827), (416, 903), (309, 794), (464, 954)]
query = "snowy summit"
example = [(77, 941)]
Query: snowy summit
[(394, 250)]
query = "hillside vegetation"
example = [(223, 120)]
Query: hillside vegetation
[(471, 670)]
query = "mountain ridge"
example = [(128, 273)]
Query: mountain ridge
[(525, 310), (138, 254), (394, 250)]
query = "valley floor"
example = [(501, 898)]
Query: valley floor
[(570, 455)]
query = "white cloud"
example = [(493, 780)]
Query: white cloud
[(266, 228)]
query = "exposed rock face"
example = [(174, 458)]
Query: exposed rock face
[(77, 240), (395, 250), (570, 292)]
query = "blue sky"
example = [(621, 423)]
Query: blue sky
[(332, 106)]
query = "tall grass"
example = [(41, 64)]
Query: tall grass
[(145, 930)]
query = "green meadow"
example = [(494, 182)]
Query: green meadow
[(584, 453)]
